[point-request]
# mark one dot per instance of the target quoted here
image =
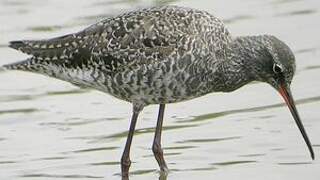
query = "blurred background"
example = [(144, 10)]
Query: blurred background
[(50, 129)]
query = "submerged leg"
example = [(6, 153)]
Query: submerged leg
[(156, 147), (125, 159)]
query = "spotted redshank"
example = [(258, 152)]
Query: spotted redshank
[(161, 55)]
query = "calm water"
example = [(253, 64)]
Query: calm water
[(50, 129)]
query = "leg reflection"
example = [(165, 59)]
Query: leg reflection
[(163, 175)]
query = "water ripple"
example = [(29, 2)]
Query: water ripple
[(95, 149), (284, 1), (252, 155), (211, 116), (13, 98), (15, 111), (312, 67), (199, 169), (107, 163), (229, 163), (14, 3), (3, 45), (237, 19), (209, 140), (7, 162), (74, 122), (178, 147), (295, 163), (123, 134), (62, 176), (214, 166), (44, 28), (307, 50), (51, 158), (297, 13)]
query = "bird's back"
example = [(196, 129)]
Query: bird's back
[(146, 39), (135, 33)]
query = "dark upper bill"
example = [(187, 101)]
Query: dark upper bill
[(286, 94)]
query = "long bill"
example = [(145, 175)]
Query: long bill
[(286, 94)]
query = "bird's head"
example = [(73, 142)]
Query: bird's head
[(279, 65), (277, 69)]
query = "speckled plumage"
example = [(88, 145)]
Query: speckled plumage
[(156, 55), (150, 56), (162, 55)]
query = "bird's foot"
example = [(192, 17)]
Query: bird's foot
[(125, 165)]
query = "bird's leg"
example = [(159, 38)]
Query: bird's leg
[(125, 159), (156, 147)]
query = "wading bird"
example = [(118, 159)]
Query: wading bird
[(161, 55)]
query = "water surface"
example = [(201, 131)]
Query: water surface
[(50, 129)]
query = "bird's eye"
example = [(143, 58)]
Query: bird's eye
[(277, 68)]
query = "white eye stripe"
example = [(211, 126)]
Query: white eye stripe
[(277, 68)]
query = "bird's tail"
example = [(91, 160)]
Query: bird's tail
[(41, 51), (25, 65), (48, 49)]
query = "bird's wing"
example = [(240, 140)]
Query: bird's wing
[(137, 37), (49, 49)]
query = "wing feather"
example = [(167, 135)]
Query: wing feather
[(142, 36)]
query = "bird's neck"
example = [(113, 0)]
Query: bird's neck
[(242, 64)]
